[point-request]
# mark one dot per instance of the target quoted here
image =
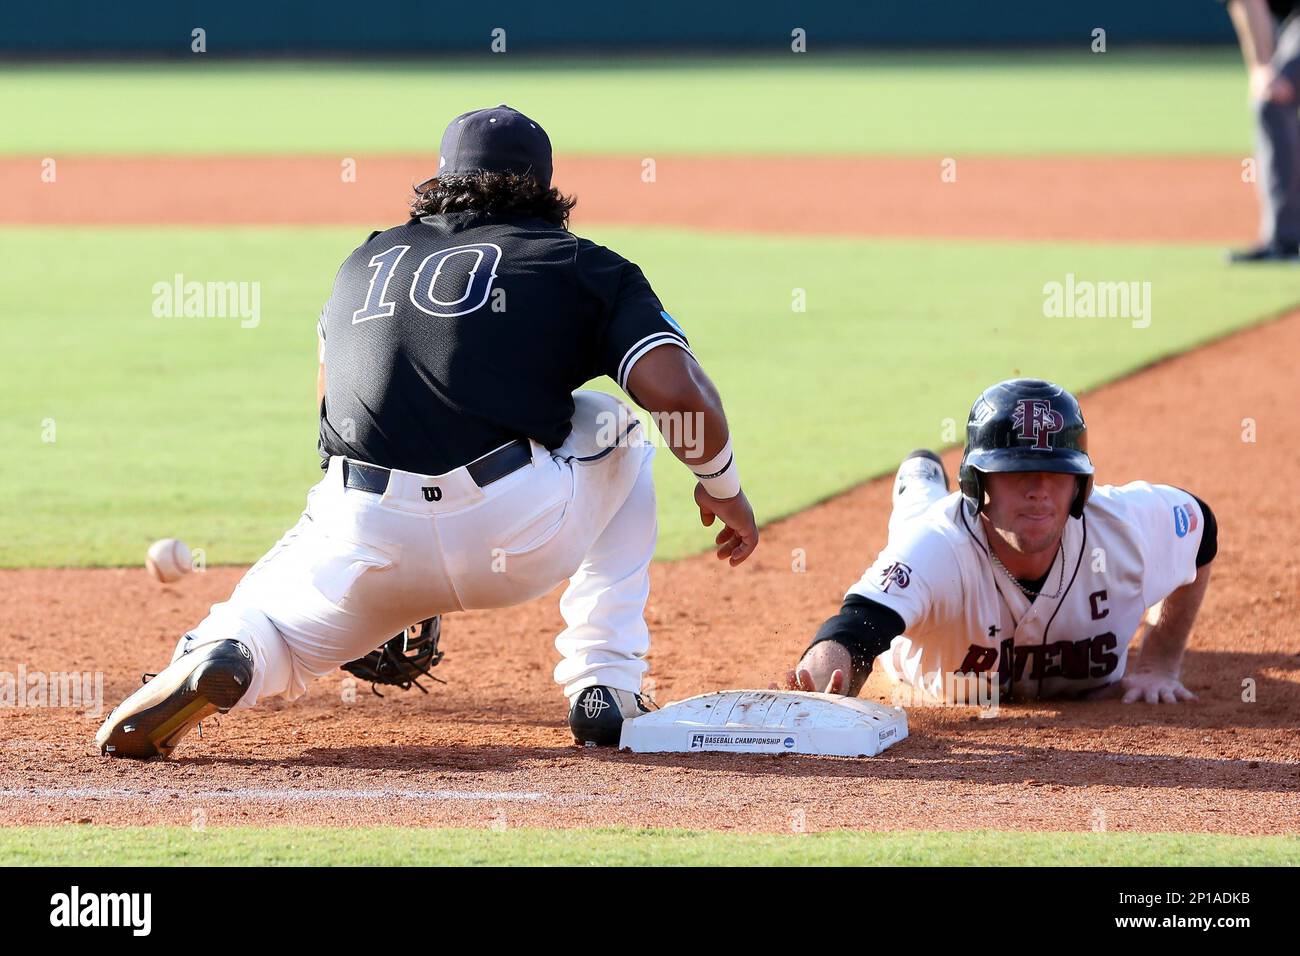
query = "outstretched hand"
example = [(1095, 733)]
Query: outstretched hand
[(803, 679), (825, 667), (1153, 688)]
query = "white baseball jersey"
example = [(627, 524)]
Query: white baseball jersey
[(964, 616)]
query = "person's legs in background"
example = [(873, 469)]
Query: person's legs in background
[(1277, 153)]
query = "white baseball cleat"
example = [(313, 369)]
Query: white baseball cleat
[(919, 465)]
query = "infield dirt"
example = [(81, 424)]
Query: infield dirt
[(1164, 199)]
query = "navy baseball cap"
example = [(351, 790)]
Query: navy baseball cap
[(499, 140)]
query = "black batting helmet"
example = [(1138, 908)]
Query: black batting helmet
[(1025, 424)]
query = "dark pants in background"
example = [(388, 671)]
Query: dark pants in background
[(1277, 146)]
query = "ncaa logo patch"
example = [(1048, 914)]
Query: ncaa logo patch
[(1184, 520)]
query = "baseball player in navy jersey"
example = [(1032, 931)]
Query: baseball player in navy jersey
[(463, 469), (1028, 581)]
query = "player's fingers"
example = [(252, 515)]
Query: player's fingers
[(1167, 696), (703, 502), (791, 680), (1132, 694), (1182, 693), (1152, 696), (836, 683), (806, 681), (727, 546), (743, 550), (748, 542), (728, 541)]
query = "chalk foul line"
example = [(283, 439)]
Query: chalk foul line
[(307, 795)]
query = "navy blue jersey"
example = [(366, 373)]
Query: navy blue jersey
[(451, 335)]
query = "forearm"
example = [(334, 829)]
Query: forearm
[(1254, 26), (687, 410), (691, 418), (669, 383), (1165, 643)]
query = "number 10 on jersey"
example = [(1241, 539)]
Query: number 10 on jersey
[(472, 268)]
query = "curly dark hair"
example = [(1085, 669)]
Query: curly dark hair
[(497, 194)]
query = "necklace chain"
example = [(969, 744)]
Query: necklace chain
[(1029, 593)]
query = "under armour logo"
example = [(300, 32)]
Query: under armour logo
[(1037, 420), (593, 704)]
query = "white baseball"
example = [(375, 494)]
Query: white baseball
[(168, 560)]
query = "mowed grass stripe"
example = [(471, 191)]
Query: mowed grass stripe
[(203, 429), (1126, 102), (388, 846)]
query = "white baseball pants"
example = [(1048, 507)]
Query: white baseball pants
[(916, 499), (359, 568)]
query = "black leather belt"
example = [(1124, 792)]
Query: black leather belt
[(493, 466)]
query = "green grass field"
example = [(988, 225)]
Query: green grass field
[(204, 430), (949, 104), (292, 846)]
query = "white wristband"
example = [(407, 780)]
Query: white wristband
[(719, 475)]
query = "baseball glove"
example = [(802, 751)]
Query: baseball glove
[(403, 659)]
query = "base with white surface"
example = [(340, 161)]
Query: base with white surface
[(767, 722)]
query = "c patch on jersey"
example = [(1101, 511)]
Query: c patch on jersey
[(897, 573), (1184, 519)]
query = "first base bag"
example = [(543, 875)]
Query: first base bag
[(767, 722)]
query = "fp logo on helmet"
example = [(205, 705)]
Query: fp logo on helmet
[(1038, 421)]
